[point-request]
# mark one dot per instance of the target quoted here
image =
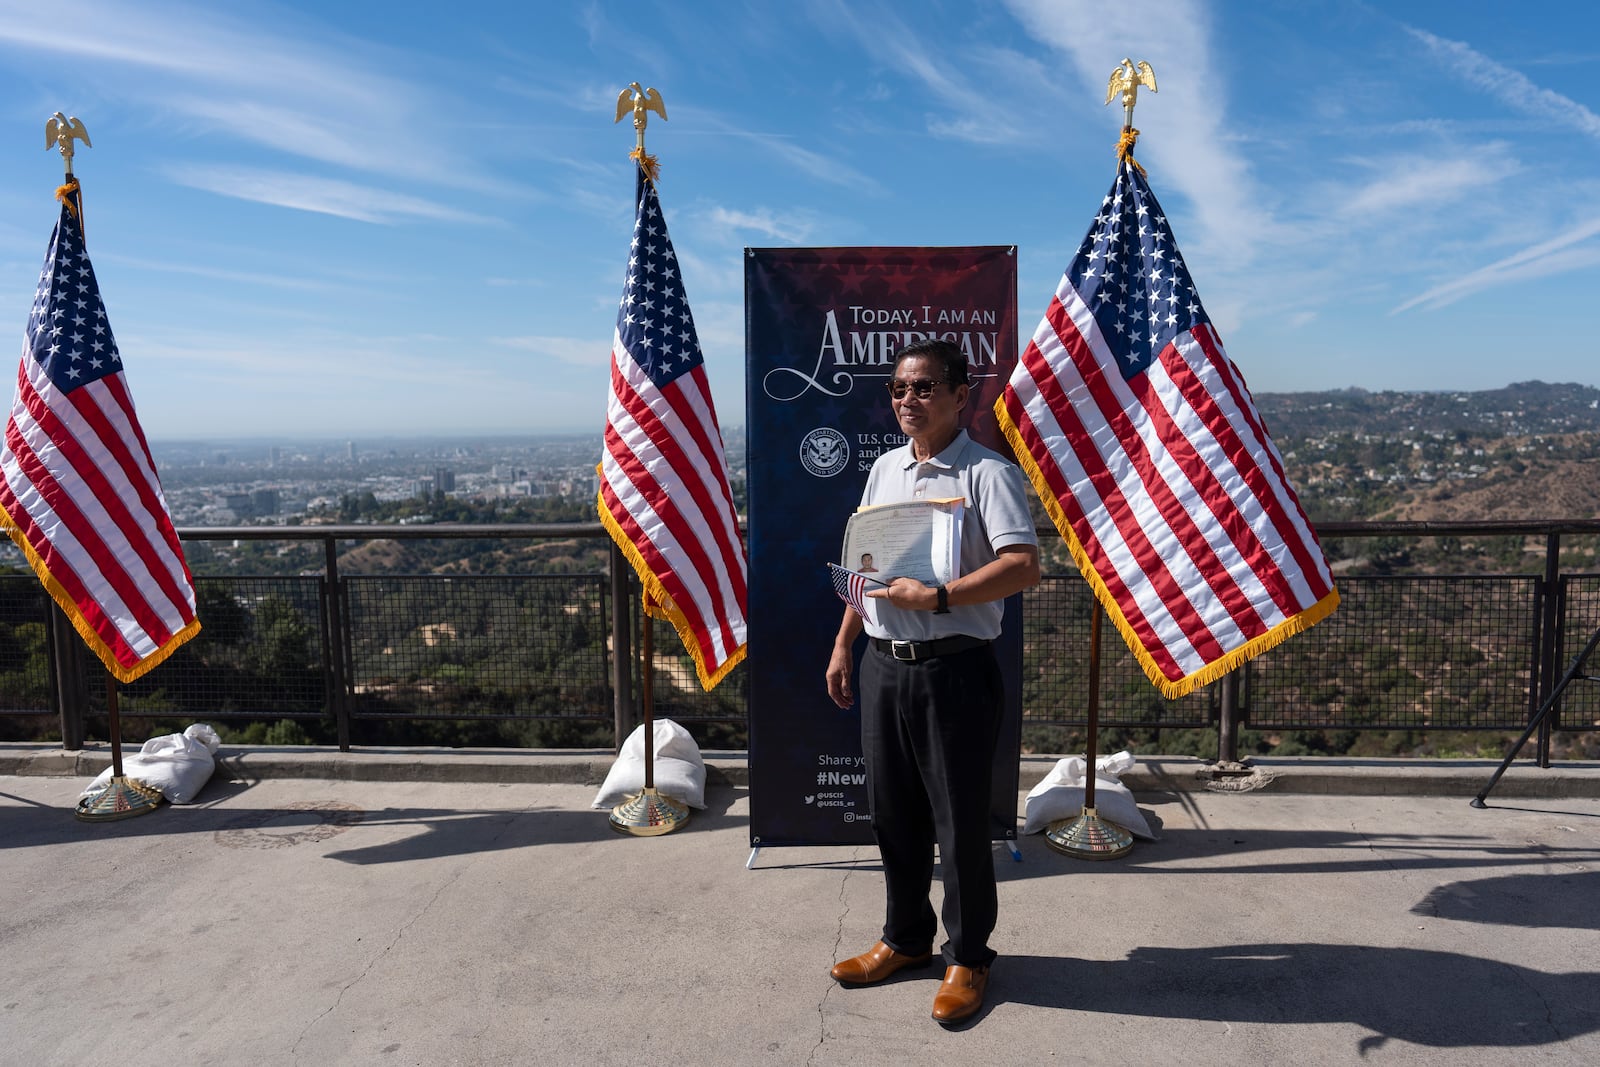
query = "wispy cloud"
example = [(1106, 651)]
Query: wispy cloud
[(1574, 248), (1280, 254), (590, 100), (1509, 86), (784, 229), (150, 35), (325, 196), (1409, 182), (828, 169), (298, 88), (1185, 132), (959, 107), (318, 137), (579, 351), (238, 277), (1558, 255)]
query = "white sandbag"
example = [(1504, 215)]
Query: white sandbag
[(680, 770), (1060, 796), (177, 764)]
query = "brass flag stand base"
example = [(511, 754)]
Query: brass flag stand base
[(1088, 837), (122, 798), (648, 814)]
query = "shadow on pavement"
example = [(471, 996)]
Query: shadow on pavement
[(442, 831), (459, 833), (1314, 852), (1564, 900), (1438, 999)]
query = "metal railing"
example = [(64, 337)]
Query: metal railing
[(545, 659)]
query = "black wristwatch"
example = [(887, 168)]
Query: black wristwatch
[(943, 607)]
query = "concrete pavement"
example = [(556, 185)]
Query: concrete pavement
[(334, 920)]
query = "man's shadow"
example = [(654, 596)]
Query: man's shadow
[(1437, 999)]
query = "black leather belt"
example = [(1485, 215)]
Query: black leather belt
[(911, 651)]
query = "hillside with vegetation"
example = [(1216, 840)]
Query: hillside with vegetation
[(1519, 453)]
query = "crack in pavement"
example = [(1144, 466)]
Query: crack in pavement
[(400, 933), (1520, 976), (838, 939)]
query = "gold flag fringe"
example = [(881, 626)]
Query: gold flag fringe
[(1125, 143), (647, 163), (1172, 689), (102, 651), (64, 194), (658, 603), (67, 194)]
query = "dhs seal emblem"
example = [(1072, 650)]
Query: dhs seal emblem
[(824, 452)]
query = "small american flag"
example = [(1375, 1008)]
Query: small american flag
[(78, 488), (664, 493), (1147, 450), (851, 587)]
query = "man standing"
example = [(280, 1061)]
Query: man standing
[(931, 691)]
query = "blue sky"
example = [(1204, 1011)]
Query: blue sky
[(358, 218)]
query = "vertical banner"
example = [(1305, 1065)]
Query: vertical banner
[(822, 326)]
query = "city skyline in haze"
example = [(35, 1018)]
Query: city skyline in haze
[(364, 220)]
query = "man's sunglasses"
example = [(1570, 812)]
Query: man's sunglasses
[(923, 387)]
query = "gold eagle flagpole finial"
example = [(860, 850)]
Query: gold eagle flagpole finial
[(641, 102), (1126, 80), (59, 132)]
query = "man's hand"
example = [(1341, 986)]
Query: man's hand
[(908, 594), (840, 664)]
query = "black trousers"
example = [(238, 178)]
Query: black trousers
[(928, 731)]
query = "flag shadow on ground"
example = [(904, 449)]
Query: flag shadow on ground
[(314, 819), (1435, 999), (1528, 899), (461, 833)]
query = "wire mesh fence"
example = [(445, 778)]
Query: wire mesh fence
[(1580, 617), (716, 719), (260, 653), (1058, 615), (520, 646), (24, 645), (527, 659), (1405, 653)]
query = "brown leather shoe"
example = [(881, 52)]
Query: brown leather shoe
[(874, 965), (960, 994)]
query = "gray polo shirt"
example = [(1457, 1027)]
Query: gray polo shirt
[(995, 517)]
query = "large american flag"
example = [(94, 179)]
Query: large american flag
[(77, 485), (1146, 448), (664, 476)]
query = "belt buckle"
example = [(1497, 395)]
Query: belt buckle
[(908, 647)]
